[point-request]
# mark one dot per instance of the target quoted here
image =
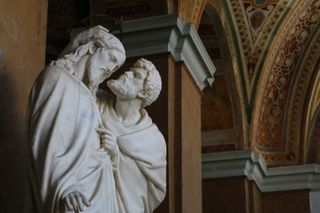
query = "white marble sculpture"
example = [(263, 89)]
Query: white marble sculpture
[(85, 159), (138, 147)]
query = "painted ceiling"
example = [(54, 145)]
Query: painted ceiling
[(274, 46), (275, 51)]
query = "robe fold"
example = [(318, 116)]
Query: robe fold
[(65, 147), (141, 173)]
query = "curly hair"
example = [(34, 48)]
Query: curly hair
[(152, 83)]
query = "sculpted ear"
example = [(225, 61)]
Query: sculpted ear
[(142, 94), (92, 49)]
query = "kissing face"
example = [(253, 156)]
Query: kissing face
[(129, 85), (102, 64)]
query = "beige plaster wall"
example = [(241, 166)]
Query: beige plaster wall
[(22, 56)]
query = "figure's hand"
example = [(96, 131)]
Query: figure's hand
[(76, 201), (108, 141), (84, 37)]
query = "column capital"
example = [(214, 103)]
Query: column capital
[(168, 33)]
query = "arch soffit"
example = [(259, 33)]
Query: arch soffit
[(219, 10), (311, 126), (220, 40), (277, 78)]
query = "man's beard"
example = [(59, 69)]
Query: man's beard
[(121, 89)]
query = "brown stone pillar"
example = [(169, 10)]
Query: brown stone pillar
[(184, 142), (22, 56)]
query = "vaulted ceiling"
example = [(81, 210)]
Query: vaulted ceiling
[(274, 46)]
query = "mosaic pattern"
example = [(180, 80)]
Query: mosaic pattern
[(252, 30), (257, 18), (242, 26), (297, 110), (270, 42), (273, 107), (258, 12), (263, 38), (296, 124), (255, 21)]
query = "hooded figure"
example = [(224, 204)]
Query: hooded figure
[(70, 171)]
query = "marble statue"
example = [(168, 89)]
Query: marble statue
[(137, 146), (91, 152), (70, 169)]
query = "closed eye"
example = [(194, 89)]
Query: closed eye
[(113, 57)]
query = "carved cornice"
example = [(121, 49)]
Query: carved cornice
[(168, 33), (250, 165)]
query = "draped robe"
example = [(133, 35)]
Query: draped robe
[(65, 147), (141, 171)]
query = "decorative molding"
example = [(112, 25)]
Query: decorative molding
[(250, 165), (272, 105), (299, 97), (167, 33)]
